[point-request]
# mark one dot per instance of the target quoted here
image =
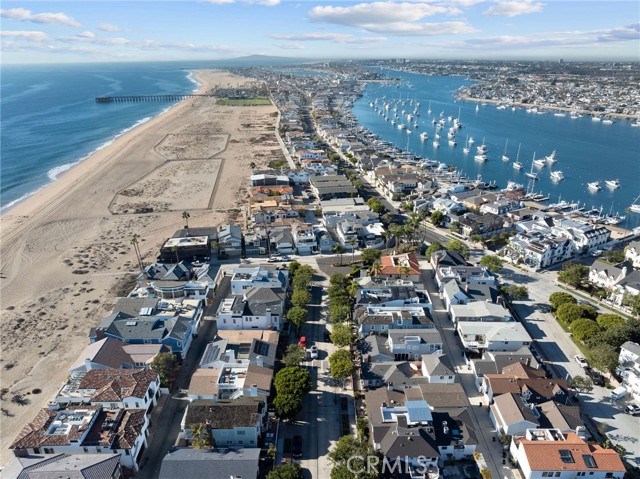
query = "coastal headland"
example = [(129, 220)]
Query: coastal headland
[(67, 253)]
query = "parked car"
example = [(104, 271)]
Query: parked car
[(633, 409), (313, 352), (595, 376), (296, 449), (302, 342), (581, 361), (596, 253)]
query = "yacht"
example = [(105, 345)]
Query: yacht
[(436, 143), (466, 146), (516, 164), (541, 163), (481, 157), (614, 184), (636, 123), (635, 206), (452, 142), (471, 140), (557, 175), (424, 136), (512, 185), (594, 185), (401, 126), (607, 121), (551, 158), (482, 149), (596, 118), (532, 174), (409, 132), (465, 150)]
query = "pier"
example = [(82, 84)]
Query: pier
[(145, 98)]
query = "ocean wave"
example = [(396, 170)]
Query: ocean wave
[(191, 77), (11, 204)]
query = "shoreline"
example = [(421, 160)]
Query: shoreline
[(64, 169), (67, 256)]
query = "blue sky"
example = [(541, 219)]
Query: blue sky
[(90, 31)]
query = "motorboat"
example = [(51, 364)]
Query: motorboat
[(594, 185), (424, 136), (613, 184), (541, 163), (471, 140), (452, 142), (481, 157), (482, 149), (512, 185), (635, 206), (557, 175), (401, 126), (436, 143)]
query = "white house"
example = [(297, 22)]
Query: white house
[(632, 253), (489, 336), (257, 308), (629, 368), (243, 279), (511, 416), (480, 311), (546, 453), (437, 368), (304, 239), (411, 344)]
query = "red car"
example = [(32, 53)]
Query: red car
[(303, 342)]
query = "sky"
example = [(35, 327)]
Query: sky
[(146, 30)]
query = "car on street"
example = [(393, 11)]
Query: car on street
[(595, 376), (296, 449), (596, 253), (313, 352), (581, 361), (302, 343), (632, 409)]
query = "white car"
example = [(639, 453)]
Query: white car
[(596, 253), (581, 361), (313, 352)]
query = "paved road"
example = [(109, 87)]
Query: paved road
[(166, 421), (485, 432)]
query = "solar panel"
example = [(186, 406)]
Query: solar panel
[(566, 456), (589, 461)]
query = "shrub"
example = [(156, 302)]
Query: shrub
[(557, 299), (584, 329), (607, 321)]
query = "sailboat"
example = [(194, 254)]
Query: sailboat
[(505, 157), (532, 174), (516, 164), (635, 206), (466, 146), (429, 109)]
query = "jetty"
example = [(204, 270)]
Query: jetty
[(145, 98)]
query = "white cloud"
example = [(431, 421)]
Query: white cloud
[(392, 18), (332, 37), (221, 2), (629, 32), (291, 46), (30, 36), (513, 8), (155, 45), (86, 35), (109, 27), (89, 37), (24, 15), (268, 3)]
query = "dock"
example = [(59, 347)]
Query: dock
[(146, 98)]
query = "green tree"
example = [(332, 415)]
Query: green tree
[(350, 454), (632, 302), (376, 206), (297, 315), (584, 329), (339, 250), (201, 436), (573, 274), (455, 227), (568, 313), (303, 277), (287, 405), (339, 311), (582, 384), (341, 365), (433, 247), (369, 255), (492, 262), (293, 380), (559, 298), (376, 269), (603, 357), (608, 321), (459, 247), (300, 298), (185, 217), (341, 335), (614, 256), (293, 356), (164, 364), (437, 218), (476, 238), (516, 292), (293, 268), (288, 470)]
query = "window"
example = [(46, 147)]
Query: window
[(85, 449), (98, 449), (127, 452), (137, 404), (48, 450), (558, 474), (241, 433), (566, 456)]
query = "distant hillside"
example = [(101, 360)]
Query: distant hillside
[(262, 60)]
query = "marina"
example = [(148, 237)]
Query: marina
[(583, 143)]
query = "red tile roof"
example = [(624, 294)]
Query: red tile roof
[(391, 264), (113, 385)]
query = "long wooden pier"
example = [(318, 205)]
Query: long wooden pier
[(145, 98)]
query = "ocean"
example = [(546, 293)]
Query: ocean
[(586, 151), (50, 120)]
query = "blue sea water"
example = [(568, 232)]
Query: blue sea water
[(586, 150), (50, 120)]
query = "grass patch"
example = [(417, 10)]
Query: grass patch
[(277, 164), (245, 102)]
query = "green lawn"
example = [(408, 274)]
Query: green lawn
[(247, 102)]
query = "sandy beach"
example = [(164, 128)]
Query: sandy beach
[(66, 251)]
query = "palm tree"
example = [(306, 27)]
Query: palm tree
[(186, 216), (338, 249), (215, 247), (376, 269), (386, 235), (134, 242), (404, 270), (174, 249), (353, 242)]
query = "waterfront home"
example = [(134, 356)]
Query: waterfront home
[(244, 278), (585, 236), (111, 388), (484, 225), (382, 319), (85, 429), (226, 462), (550, 453), (538, 249), (230, 240), (629, 368), (230, 380), (411, 344), (189, 248), (232, 423), (93, 466), (256, 308), (502, 336), (107, 353), (499, 207)]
